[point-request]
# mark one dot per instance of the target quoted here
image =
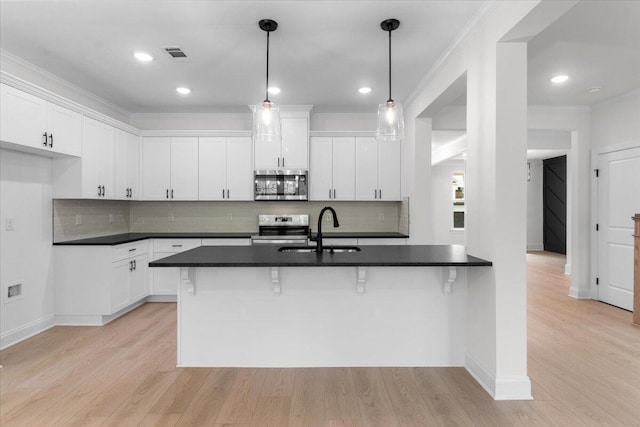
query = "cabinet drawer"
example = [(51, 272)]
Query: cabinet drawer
[(175, 245), (128, 250)]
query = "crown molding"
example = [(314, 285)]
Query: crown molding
[(346, 115), (487, 8), (134, 116), (25, 86), (631, 94), (559, 109), (219, 133), (339, 133), (10, 57)]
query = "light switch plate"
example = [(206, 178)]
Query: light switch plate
[(9, 224)]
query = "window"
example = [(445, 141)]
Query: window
[(458, 200)]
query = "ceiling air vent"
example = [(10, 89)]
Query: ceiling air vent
[(175, 52)]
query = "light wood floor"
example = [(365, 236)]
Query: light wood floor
[(584, 362)]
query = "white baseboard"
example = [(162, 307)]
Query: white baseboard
[(502, 388), (578, 293), (535, 247), (567, 269), (162, 298), (94, 320), (28, 330)]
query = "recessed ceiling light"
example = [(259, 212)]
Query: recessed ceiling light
[(594, 89), (274, 90), (183, 90), (143, 56), (364, 90), (560, 78)]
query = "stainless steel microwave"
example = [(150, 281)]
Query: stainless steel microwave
[(281, 185)]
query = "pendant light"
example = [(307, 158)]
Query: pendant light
[(390, 116), (266, 115)]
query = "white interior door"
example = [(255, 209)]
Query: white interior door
[(618, 201)]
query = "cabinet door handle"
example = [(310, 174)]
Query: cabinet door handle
[(380, 192), (135, 264), (132, 250), (375, 193), (99, 190), (223, 193), (329, 193), (167, 193), (227, 193), (44, 135), (176, 246), (334, 193), (51, 140), (283, 162), (172, 193), (278, 161), (103, 191), (130, 265)]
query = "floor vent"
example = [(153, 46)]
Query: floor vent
[(175, 52)]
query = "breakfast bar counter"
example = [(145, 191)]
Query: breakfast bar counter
[(256, 306)]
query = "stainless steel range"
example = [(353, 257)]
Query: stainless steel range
[(282, 230)]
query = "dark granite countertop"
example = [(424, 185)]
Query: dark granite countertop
[(118, 239), (375, 255)]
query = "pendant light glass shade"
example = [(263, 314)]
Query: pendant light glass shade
[(266, 122), (390, 121), (390, 113), (266, 114)]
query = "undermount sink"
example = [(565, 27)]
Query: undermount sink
[(326, 249)]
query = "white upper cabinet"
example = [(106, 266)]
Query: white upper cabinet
[(127, 166), (170, 168), (98, 159), (332, 171), (292, 152), (38, 125), (225, 168), (377, 169)]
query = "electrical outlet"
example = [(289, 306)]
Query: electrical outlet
[(78, 219), (328, 216), (171, 217), (8, 225), (229, 217), (110, 217), (380, 217)]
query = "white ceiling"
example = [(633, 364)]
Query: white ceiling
[(321, 54), (596, 43)]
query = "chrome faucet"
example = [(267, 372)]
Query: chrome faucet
[(335, 224)]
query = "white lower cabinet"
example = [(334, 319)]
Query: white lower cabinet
[(95, 283), (164, 281)]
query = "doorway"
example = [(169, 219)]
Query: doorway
[(554, 200)]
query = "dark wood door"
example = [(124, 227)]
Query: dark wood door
[(554, 187)]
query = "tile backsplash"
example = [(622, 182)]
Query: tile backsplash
[(103, 217)]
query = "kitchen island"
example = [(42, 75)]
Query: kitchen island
[(380, 306)]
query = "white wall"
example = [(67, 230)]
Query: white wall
[(442, 203), (535, 207), (26, 252), (616, 122)]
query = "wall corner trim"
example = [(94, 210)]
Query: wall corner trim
[(499, 388)]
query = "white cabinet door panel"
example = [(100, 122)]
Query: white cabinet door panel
[(184, 168), (266, 154), (23, 118), (321, 169), (120, 285), (366, 168), (389, 170), (133, 166), (212, 168), (139, 285), (65, 130), (239, 171), (295, 143), (98, 159), (344, 163), (156, 168)]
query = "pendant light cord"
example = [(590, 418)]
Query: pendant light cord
[(266, 95), (389, 30)]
